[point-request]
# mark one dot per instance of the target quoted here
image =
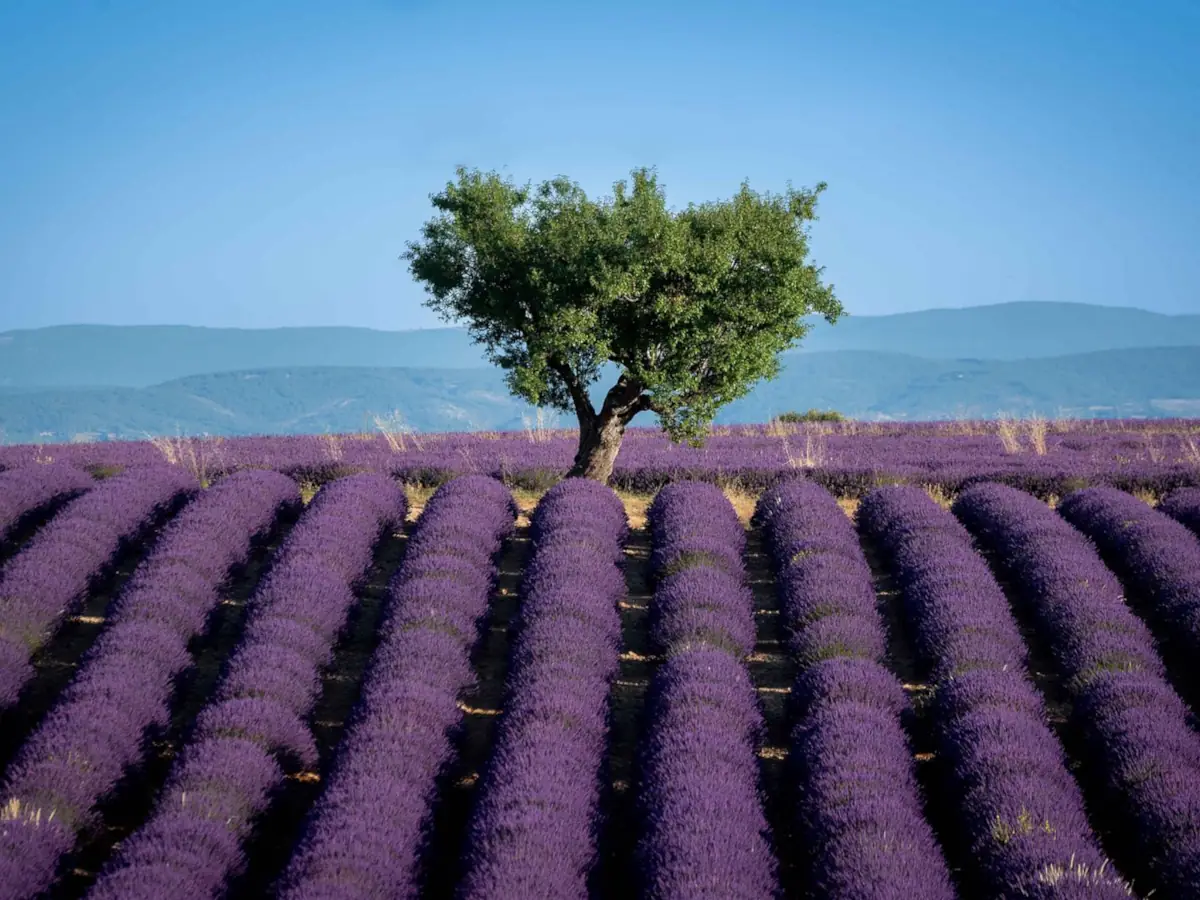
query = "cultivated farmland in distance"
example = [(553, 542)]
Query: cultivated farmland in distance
[(836, 660)]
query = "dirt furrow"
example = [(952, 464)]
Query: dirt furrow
[(481, 704), (615, 875)]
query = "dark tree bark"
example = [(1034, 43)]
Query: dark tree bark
[(600, 434)]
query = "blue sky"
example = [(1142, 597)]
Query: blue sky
[(262, 163)]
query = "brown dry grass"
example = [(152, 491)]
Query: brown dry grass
[(743, 502), (308, 490), (635, 507), (418, 496), (939, 495)]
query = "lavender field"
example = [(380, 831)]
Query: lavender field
[(850, 458), (839, 661)]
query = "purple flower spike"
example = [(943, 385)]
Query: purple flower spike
[(49, 577), (28, 488), (1158, 557), (124, 685), (705, 833)]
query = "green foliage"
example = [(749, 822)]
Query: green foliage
[(693, 306), (813, 415)]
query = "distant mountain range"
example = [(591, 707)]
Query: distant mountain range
[(144, 355), (1050, 358)]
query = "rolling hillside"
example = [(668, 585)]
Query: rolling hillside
[(863, 384), (142, 356)]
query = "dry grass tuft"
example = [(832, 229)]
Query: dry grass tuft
[(743, 502), (1037, 427), (1191, 450), (1008, 430), (540, 429), (199, 455), (939, 495), (394, 430), (812, 456), (775, 427)]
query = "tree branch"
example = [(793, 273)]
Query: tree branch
[(624, 400), (583, 404)]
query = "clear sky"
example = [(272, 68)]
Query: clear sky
[(262, 163)]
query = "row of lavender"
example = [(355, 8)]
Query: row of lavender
[(1146, 456), (1140, 759), (48, 580), (1005, 775), (366, 835), (27, 489), (705, 833), (94, 735), (534, 829), (860, 827), (1017, 812), (235, 758), (232, 764), (1158, 556)]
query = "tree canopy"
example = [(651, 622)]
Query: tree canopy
[(693, 306)]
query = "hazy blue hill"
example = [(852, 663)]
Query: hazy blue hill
[(140, 356), (1007, 331), (144, 355), (1145, 382), (863, 384), (299, 400)]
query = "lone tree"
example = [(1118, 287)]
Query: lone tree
[(692, 306)]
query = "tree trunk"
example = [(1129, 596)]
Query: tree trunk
[(600, 434), (598, 448)]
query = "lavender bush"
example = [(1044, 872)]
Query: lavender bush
[(533, 832), (1020, 814), (705, 833), (94, 734), (365, 835), (230, 766), (859, 816), (50, 576), (1141, 756), (1158, 557), (1183, 506), (26, 488)]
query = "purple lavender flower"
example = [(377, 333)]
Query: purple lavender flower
[(859, 816), (230, 766), (533, 832), (364, 836), (94, 734), (1142, 757), (1020, 813)]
